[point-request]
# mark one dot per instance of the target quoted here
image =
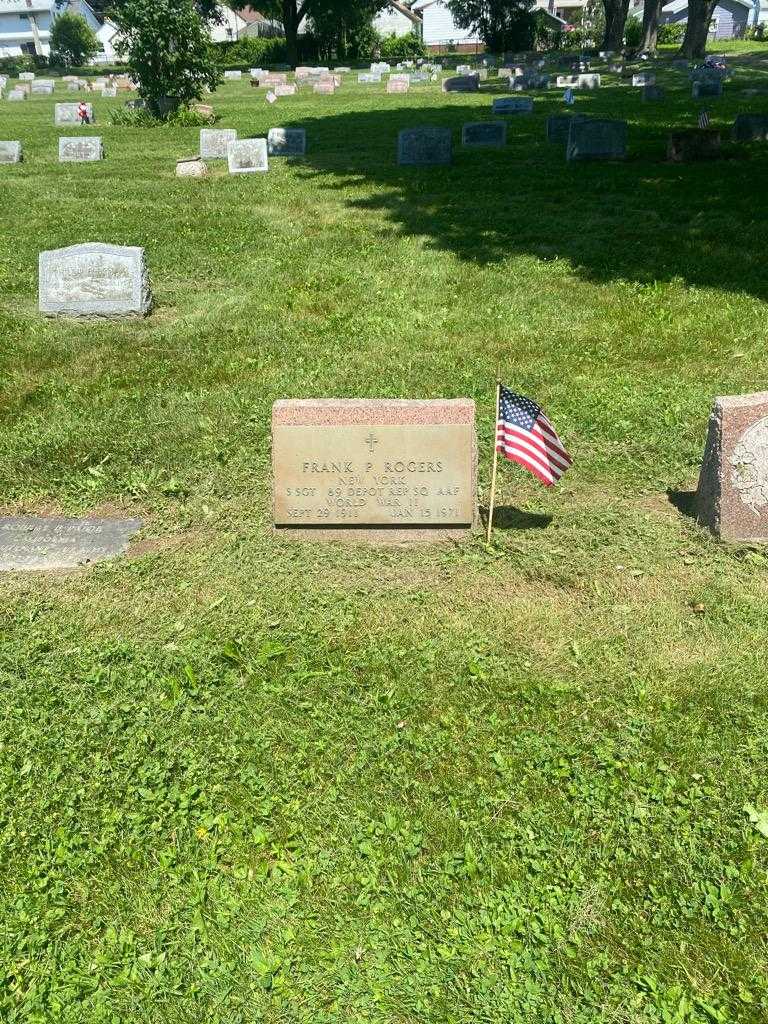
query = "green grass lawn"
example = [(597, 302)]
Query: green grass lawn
[(245, 779)]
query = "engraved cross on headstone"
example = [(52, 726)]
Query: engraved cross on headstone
[(371, 441)]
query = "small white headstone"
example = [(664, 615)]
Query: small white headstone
[(214, 142), (80, 149), (10, 152), (94, 279), (247, 156)]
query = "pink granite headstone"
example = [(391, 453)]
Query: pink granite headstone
[(732, 497)]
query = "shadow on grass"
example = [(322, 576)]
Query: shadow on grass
[(684, 502), (641, 220), (507, 517)]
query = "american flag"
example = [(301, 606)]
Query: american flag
[(525, 435), (704, 119)]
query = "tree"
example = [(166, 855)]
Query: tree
[(293, 12), (343, 28), (651, 15), (615, 20), (501, 24), (169, 49), (696, 31), (73, 41)]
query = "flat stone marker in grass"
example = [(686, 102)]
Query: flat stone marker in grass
[(397, 85), (286, 142), (214, 142), (233, 76), (80, 149), (284, 89), (10, 152), (513, 105), (41, 88), (597, 139), (484, 133), (16, 95), (747, 128), (94, 279), (424, 147), (191, 167), (709, 88), (374, 463), (38, 543), (368, 78), (529, 83), (693, 144), (559, 126), (732, 496), (589, 81), (324, 88), (66, 113), (567, 81), (109, 92), (26, 76), (247, 156), (461, 83), (644, 78)]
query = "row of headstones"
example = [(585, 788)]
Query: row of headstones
[(243, 156), (45, 86), (80, 149)]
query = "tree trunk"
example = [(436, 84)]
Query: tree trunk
[(291, 26), (697, 29), (615, 20), (651, 13)]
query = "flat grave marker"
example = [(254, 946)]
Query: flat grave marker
[(484, 133), (374, 463), (10, 152), (80, 149), (247, 156), (286, 142), (39, 543), (214, 142), (424, 147), (597, 139)]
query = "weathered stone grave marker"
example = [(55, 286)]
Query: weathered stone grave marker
[(66, 113), (732, 496), (214, 142), (693, 144), (286, 142), (247, 156), (10, 152), (513, 105), (424, 147), (597, 139), (94, 279), (374, 463), (559, 126), (191, 167), (80, 149), (38, 543), (461, 83), (748, 128), (484, 133)]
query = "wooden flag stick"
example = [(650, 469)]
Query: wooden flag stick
[(495, 464)]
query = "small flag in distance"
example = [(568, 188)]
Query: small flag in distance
[(525, 435), (704, 119)]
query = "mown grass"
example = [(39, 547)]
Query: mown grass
[(246, 779)]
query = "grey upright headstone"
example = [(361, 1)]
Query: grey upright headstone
[(214, 142), (484, 133), (710, 88), (94, 279), (80, 149), (461, 83), (597, 139), (746, 128), (287, 142), (66, 113), (652, 93), (39, 543), (247, 156), (10, 152), (513, 105), (424, 147)]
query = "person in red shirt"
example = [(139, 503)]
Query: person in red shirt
[(82, 113)]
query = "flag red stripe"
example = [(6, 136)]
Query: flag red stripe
[(538, 443), (515, 457), (529, 454), (548, 433)]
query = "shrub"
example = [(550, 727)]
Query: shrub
[(252, 52), (402, 47), (672, 33), (141, 117), (757, 32), (633, 33)]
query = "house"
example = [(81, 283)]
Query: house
[(439, 30), (257, 25), (228, 28), (397, 19), (25, 25), (730, 19)]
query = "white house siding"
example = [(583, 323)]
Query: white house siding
[(391, 22), (27, 23), (229, 28), (439, 26), (730, 18)]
